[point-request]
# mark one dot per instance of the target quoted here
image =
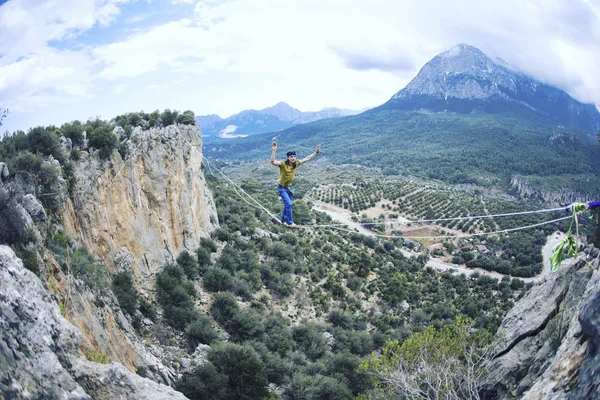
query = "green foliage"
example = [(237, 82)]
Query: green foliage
[(208, 244), (217, 279), (73, 131), (448, 360), (189, 265), (77, 261), (103, 139), (278, 335), (204, 261), (186, 118), (205, 382), (309, 338), (175, 294), (200, 331), (224, 307), (244, 369), (168, 117), (44, 141), (125, 292), (304, 387), (97, 356), (29, 257)]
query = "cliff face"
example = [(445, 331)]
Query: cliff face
[(551, 339), (562, 196), (40, 355), (143, 210)]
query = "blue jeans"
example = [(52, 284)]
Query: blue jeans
[(286, 196)]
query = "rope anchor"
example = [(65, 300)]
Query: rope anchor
[(569, 242)]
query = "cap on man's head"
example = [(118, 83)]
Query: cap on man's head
[(290, 153)]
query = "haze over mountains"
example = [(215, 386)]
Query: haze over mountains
[(270, 119)]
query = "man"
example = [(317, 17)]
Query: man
[(287, 171)]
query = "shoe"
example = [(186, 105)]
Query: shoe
[(292, 225), (284, 224)]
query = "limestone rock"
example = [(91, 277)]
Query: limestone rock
[(3, 172), (155, 202), (34, 208), (549, 340), (39, 349), (123, 260)]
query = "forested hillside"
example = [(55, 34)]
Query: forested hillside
[(257, 310), (481, 149)]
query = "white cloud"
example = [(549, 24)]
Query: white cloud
[(239, 54), (28, 25), (56, 73)]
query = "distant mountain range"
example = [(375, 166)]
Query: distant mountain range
[(270, 119), (464, 119)]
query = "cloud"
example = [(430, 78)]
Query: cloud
[(240, 54), (57, 73), (28, 25)]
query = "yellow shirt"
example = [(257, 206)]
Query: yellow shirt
[(287, 173)]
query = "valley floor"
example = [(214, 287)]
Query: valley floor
[(345, 217)]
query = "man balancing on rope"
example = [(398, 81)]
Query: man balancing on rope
[(287, 171)]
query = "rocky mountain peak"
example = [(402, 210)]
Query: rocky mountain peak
[(463, 72), (464, 80), (283, 111)]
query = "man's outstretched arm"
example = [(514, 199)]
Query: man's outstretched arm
[(311, 156), (273, 161)]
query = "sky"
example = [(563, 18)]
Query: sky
[(65, 60)]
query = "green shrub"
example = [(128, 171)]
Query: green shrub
[(200, 331), (244, 369), (189, 265), (174, 293), (104, 140), (208, 244), (309, 338), (73, 131), (246, 324), (204, 383), (168, 117), (125, 292), (224, 307), (204, 261), (217, 279)]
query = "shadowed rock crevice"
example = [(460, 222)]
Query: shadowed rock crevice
[(540, 328)]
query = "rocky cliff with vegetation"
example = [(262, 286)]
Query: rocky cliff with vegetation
[(87, 207), (140, 211), (127, 273)]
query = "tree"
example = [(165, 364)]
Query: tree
[(445, 364), (244, 369), (200, 331), (124, 290), (189, 265), (205, 383), (3, 114), (103, 139)]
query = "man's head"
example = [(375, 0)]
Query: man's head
[(291, 155)]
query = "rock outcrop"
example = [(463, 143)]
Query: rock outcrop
[(153, 203), (557, 197), (550, 339), (40, 353)]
